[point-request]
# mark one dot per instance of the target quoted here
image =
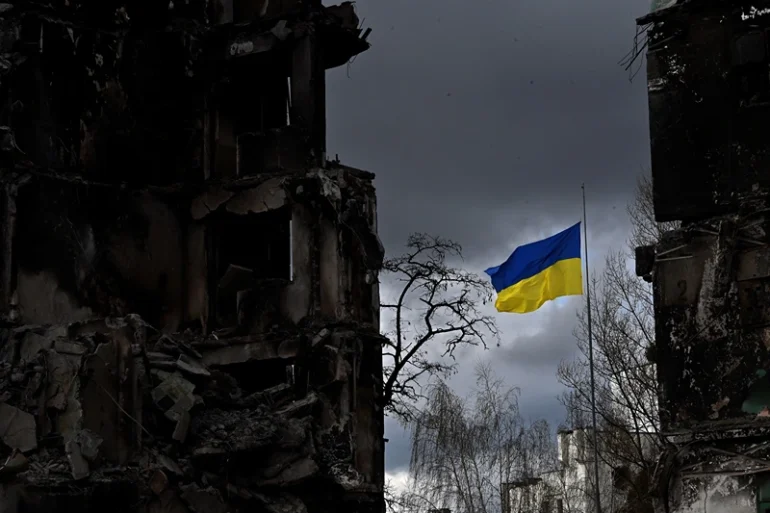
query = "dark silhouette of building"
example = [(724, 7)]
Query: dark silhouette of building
[(709, 93), (188, 286)]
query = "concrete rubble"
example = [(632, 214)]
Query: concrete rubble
[(141, 410)]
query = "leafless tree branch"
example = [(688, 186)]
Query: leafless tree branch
[(437, 306)]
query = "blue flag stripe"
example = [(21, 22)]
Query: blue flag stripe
[(531, 259)]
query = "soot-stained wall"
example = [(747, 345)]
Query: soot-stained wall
[(709, 94)]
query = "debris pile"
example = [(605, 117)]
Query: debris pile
[(172, 422)]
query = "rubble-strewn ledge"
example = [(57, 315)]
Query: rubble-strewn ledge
[(114, 414), (729, 462)]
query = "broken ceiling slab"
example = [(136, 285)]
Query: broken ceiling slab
[(300, 408), (236, 278), (240, 353), (345, 14), (18, 429), (209, 201), (267, 195), (192, 366), (222, 433), (337, 25), (335, 168), (294, 474), (15, 463), (70, 348), (659, 9), (255, 43), (658, 5), (284, 503), (34, 339), (203, 500)]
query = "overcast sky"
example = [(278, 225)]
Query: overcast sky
[(481, 120)]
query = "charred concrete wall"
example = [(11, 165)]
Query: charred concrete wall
[(122, 92), (189, 316), (182, 257), (709, 91), (712, 329)]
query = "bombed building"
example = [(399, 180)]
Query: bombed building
[(708, 72), (189, 316)]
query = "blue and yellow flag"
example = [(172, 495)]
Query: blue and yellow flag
[(539, 272)]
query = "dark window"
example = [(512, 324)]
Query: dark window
[(763, 493), (751, 70), (581, 445), (559, 506), (249, 110), (545, 507), (249, 249), (259, 375), (565, 439)]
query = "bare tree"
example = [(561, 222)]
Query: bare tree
[(626, 385), (409, 500), (464, 451), (435, 312)]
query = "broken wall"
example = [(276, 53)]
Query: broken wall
[(189, 307), (712, 338), (709, 93), (133, 321), (174, 255)]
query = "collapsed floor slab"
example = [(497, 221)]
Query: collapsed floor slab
[(118, 408)]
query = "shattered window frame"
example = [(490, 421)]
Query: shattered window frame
[(763, 493), (751, 73)]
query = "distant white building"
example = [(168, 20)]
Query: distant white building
[(570, 487), (635, 404)]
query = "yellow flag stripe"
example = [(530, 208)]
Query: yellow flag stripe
[(564, 278)]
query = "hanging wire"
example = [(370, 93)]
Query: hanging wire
[(641, 42)]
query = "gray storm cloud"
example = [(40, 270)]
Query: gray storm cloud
[(481, 120)]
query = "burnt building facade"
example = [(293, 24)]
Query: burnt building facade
[(708, 72), (189, 297)]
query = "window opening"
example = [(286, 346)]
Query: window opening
[(751, 69), (763, 493), (250, 248)]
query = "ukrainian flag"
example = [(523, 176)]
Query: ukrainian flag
[(539, 272)]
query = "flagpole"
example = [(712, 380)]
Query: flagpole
[(591, 357)]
